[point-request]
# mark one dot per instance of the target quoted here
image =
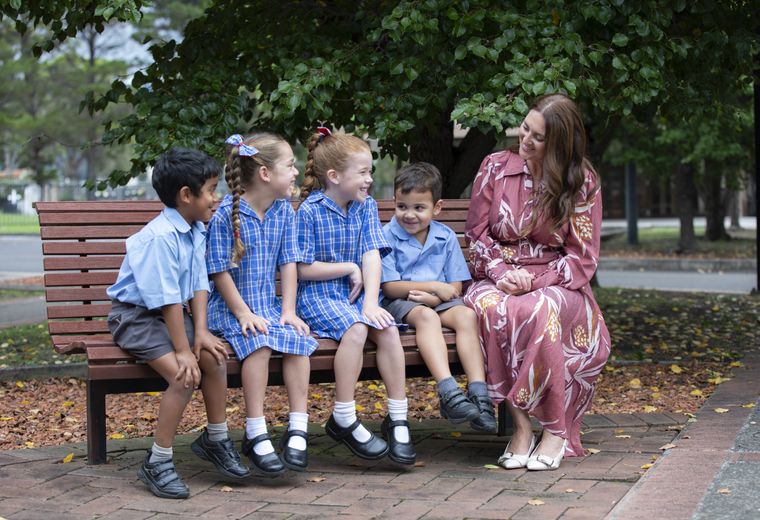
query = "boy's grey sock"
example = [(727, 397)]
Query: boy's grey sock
[(447, 384), (217, 431), (477, 388), (159, 454)]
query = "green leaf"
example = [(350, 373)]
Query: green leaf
[(460, 52), (617, 63), (621, 40), (397, 69)]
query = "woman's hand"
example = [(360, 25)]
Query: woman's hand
[(378, 316), (516, 282), (250, 321), (357, 283), (291, 318), (424, 297)]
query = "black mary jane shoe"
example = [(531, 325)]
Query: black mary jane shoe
[(294, 459), (373, 449), (268, 465), (401, 452)]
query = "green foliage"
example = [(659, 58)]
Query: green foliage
[(66, 18), (403, 71)]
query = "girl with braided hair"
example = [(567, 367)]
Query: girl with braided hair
[(341, 244), (251, 235)]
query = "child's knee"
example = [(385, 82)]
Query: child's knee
[(210, 366), (422, 316), (355, 335), (179, 389)]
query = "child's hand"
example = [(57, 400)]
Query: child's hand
[(424, 297), (254, 323), (378, 316), (188, 369), (204, 340), (445, 291), (355, 276), (290, 318)]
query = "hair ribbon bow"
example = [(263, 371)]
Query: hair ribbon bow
[(243, 149), (324, 132)]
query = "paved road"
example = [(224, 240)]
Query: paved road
[(742, 282), (20, 256)]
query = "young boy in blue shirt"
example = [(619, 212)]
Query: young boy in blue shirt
[(422, 283), (164, 272)]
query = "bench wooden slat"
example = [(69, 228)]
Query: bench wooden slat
[(78, 263), (111, 206), (84, 248), (83, 232), (79, 311), (106, 278), (77, 294), (106, 217), (78, 327)]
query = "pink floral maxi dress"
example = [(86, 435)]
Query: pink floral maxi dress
[(543, 349)]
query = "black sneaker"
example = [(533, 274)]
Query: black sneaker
[(162, 479), (221, 454), (456, 407), (486, 419)]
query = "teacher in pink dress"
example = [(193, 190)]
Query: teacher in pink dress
[(533, 231)]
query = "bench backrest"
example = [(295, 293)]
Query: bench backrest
[(83, 245)]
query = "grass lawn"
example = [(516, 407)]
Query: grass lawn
[(659, 241), (25, 345), (16, 224), (12, 294)]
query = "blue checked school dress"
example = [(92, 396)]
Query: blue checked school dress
[(327, 234), (268, 245)]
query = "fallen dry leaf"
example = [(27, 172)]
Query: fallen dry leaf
[(668, 446), (721, 410), (116, 436), (316, 479), (569, 490), (420, 464), (68, 458), (724, 491), (650, 409), (536, 502), (226, 489), (748, 405), (456, 434), (592, 451), (676, 369), (622, 436), (491, 466), (635, 383), (696, 393), (647, 466)]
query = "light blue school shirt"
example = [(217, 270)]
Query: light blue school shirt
[(165, 263), (439, 259)]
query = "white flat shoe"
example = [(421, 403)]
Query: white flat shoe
[(544, 462), (509, 460)]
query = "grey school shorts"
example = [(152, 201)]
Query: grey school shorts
[(400, 308), (142, 332)]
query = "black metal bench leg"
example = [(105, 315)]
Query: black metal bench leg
[(96, 423), (505, 419)]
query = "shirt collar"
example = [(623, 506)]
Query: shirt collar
[(177, 220), (513, 163), (320, 197), (436, 232)]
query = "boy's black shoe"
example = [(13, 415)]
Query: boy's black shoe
[(456, 407), (268, 465), (294, 459), (372, 449), (162, 479), (486, 419), (221, 454), (401, 452)]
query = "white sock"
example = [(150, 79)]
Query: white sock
[(217, 431), (345, 416), (398, 410), (255, 426), (159, 454), (298, 421)]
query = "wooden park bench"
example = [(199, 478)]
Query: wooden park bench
[(83, 244)]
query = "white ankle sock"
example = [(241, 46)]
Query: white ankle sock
[(159, 454), (398, 410), (298, 421), (255, 426), (217, 431), (345, 415)]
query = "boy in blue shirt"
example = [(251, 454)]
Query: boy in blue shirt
[(164, 272), (422, 283)]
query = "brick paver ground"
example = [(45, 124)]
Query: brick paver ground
[(451, 480)]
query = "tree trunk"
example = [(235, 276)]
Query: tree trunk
[(459, 165), (687, 194), (715, 204), (734, 210)]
